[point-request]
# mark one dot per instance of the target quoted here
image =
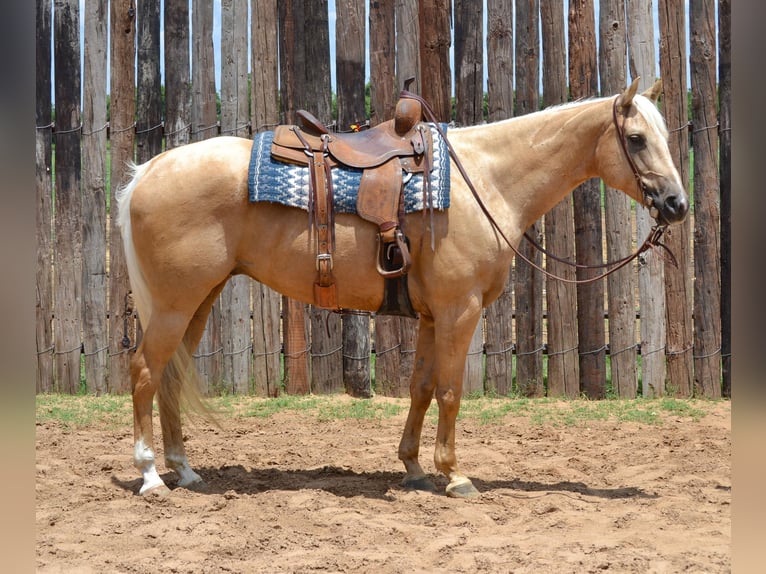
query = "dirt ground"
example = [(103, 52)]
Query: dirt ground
[(296, 493)]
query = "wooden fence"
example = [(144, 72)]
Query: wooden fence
[(668, 329)]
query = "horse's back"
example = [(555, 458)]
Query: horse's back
[(224, 156), (197, 176)]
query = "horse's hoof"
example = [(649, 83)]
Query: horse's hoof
[(420, 483), (462, 488), (159, 491)]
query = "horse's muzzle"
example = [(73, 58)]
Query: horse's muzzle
[(668, 207)]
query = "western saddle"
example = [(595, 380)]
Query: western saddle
[(383, 153)]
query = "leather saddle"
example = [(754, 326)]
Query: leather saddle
[(384, 153)]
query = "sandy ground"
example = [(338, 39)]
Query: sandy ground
[(297, 493)]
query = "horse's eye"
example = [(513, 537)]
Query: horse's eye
[(637, 140)]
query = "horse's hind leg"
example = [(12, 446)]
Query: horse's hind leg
[(170, 393), (161, 337)]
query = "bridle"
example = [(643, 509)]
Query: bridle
[(651, 241)]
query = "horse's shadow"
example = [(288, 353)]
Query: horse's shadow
[(348, 483)]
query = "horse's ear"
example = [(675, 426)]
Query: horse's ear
[(654, 92), (627, 96)]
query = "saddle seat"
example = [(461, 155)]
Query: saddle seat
[(403, 137), (383, 153)]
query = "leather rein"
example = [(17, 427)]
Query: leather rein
[(652, 240)]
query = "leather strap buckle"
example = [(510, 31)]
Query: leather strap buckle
[(324, 258)]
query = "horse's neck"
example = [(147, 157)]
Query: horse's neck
[(535, 160)]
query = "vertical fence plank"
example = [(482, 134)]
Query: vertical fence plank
[(383, 89), (177, 74), (349, 62), (436, 81), (387, 357), (528, 282), (209, 355), (326, 336), (149, 85), (724, 130), (326, 352), (265, 114), (408, 336), (407, 44), (678, 281), (469, 66), (587, 208), (469, 92), (295, 321), (651, 268), (122, 324), (618, 218), (561, 297), (350, 74), (67, 247), (499, 60), (498, 345), (407, 40), (44, 190), (267, 346), (408, 66), (292, 77), (707, 215), (382, 100), (235, 118), (498, 337), (94, 277), (306, 84)]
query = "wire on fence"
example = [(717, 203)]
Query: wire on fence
[(327, 354), (509, 349), (562, 352), (299, 353), (210, 354), (533, 352), (267, 353), (243, 350), (594, 351), (96, 352), (708, 355)]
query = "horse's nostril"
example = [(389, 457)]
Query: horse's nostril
[(676, 205)]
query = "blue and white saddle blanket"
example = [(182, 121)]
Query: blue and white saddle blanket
[(288, 184)]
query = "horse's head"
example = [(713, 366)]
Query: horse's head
[(639, 160)]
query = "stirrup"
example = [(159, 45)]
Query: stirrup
[(387, 252)]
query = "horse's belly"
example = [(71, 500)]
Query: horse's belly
[(280, 252)]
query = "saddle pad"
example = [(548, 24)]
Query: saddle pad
[(288, 184)]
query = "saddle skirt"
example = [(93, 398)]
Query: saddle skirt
[(288, 184)]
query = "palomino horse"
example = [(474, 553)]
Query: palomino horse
[(188, 225)]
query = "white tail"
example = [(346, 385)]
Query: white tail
[(141, 295)]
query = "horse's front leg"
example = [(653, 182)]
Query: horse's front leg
[(453, 338), (421, 392)]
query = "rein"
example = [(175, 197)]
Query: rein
[(652, 240)]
